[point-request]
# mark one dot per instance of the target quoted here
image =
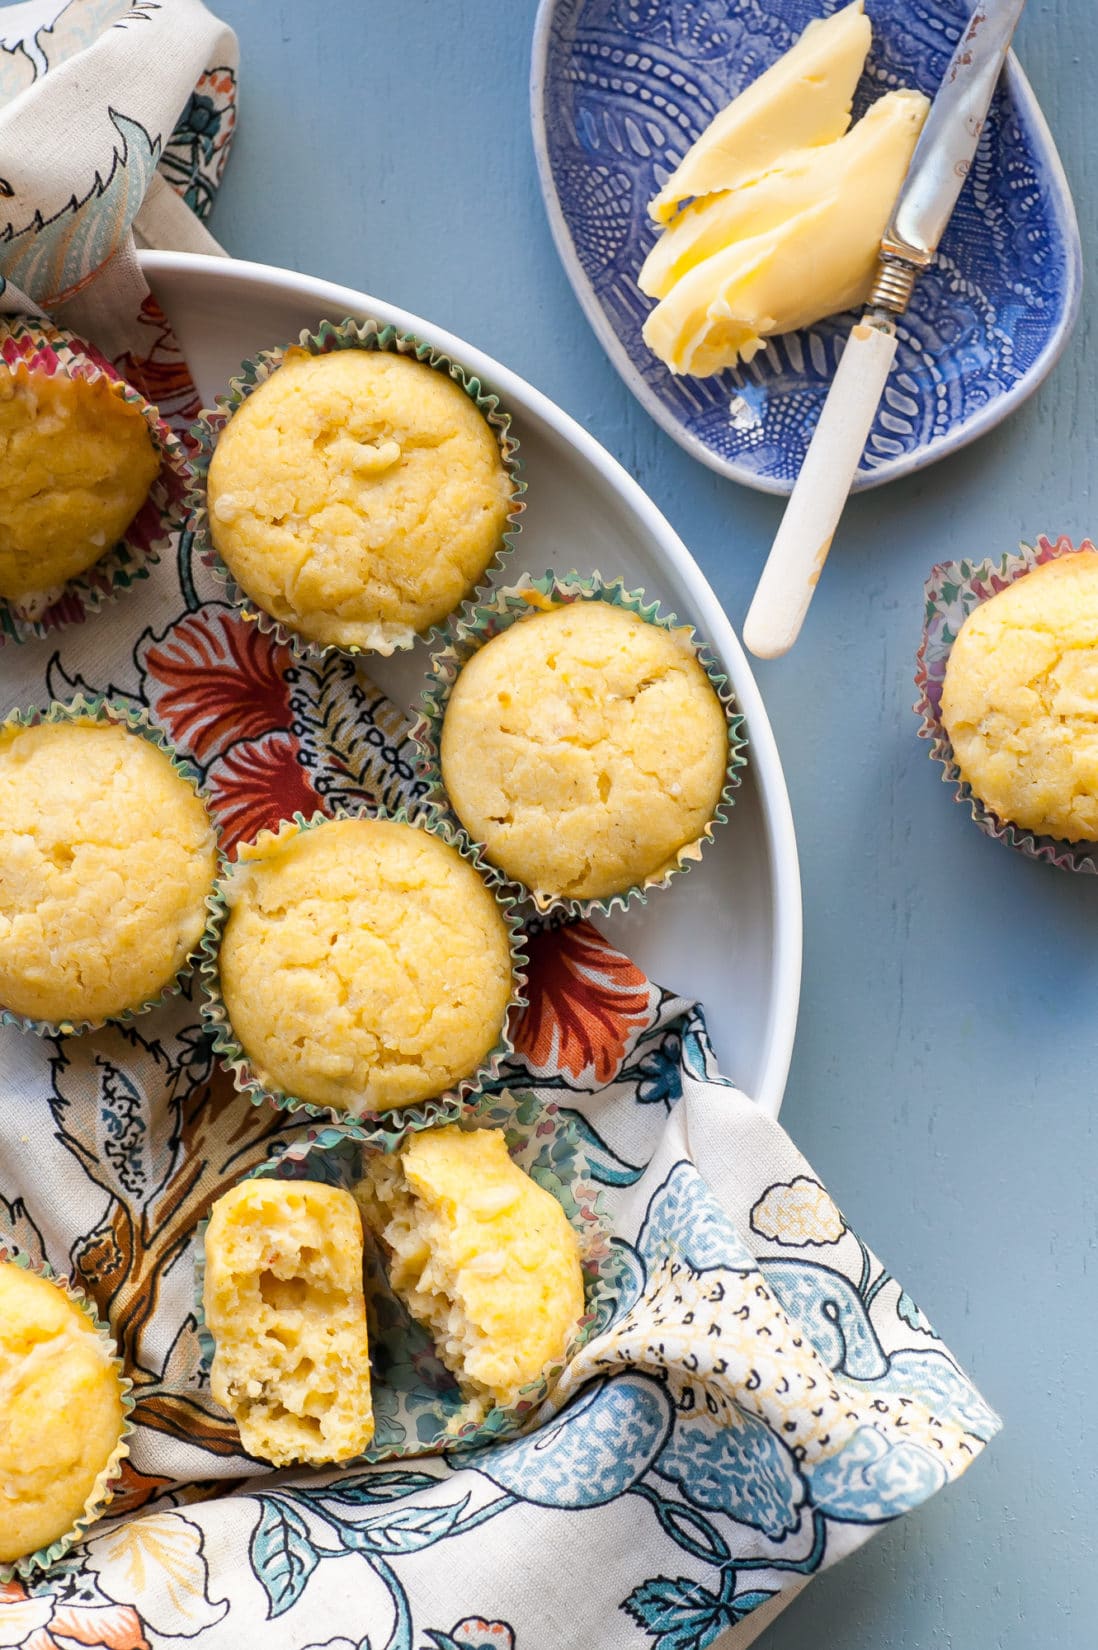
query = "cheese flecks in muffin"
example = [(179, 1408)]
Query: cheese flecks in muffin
[(358, 496), (1020, 700), (61, 1412), (584, 747), (76, 464), (365, 964), (283, 1300), (482, 1255), (107, 856)]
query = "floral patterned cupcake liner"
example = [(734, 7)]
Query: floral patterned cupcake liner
[(380, 1128), (953, 590), (349, 334), (135, 720), (418, 1407), (478, 622), (104, 1486), (30, 345)]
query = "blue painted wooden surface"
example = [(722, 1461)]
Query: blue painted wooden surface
[(944, 1077)]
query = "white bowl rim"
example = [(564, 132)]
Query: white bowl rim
[(785, 969), (1058, 193)]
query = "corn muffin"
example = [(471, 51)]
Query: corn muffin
[(584, 747), (358, 496), (364, 964), (482, 1255), (282, 1298), (1020, 700), (107, 856), (61, 1412), (76, 465)]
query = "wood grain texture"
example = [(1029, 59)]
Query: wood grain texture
[(943, 1081)]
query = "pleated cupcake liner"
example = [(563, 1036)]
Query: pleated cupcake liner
[(101, 709), (103, 1489), (478, 622), (953, 590), (330, 336), (424, 1411), (380, 1128), (31, 346)]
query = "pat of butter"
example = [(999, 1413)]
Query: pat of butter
[(882, 141), (801, 100), (801, 244)]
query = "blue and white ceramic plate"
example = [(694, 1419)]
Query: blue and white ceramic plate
[(621, 88)]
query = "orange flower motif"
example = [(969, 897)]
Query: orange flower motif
[(41, 1624), (587, 1003)]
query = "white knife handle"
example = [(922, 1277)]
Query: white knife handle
[(800, 549)]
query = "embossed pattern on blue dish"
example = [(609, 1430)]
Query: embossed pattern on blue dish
[(620, 88)]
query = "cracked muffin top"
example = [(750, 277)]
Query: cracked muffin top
[(365, 964), (107, 855), (358, 496), (1020, 699), (585, 748), (76, 464)]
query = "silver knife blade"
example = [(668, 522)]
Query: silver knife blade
[(944, 153)]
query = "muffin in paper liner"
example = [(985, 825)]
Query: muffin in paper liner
[(329, 336), (477, 623), (418, 1406), (382, 1128), (953, 590), (37, 347), (104, 1487), (136, 720)]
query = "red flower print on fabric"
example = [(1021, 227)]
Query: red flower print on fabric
[(587, 1002), (43, 1625), (213, 679), (256, 784)]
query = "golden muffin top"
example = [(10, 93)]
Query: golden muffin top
[(584, 747), (1020, 699), (61, 1411), (107, 855), (364, 964), (485, 1257), (76, 465), (357, 496)]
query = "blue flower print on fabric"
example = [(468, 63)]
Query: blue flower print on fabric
[(594, 1451), (660, 1073), (831, 1312), (936, 1382), (685, 1220), (743, 1470), (871, 1480)]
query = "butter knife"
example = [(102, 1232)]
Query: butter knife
[(934, 180)]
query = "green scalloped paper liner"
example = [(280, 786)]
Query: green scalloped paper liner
[(329, 336), (102, 1490), (478, 622), (953, 590), (46, 349), (383, 1127), (137, 721), (543, 1141)]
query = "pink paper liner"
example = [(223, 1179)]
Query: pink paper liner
[(51, 350), (953, 590)]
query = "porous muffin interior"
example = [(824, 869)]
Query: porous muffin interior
[(61, 1411), (107, 855), (283, 1300), (1020, 699), (483, 1256), (585, 748), (76, 465), (357, 496), (364, 964)]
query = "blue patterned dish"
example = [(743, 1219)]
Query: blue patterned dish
[(620, 88)]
